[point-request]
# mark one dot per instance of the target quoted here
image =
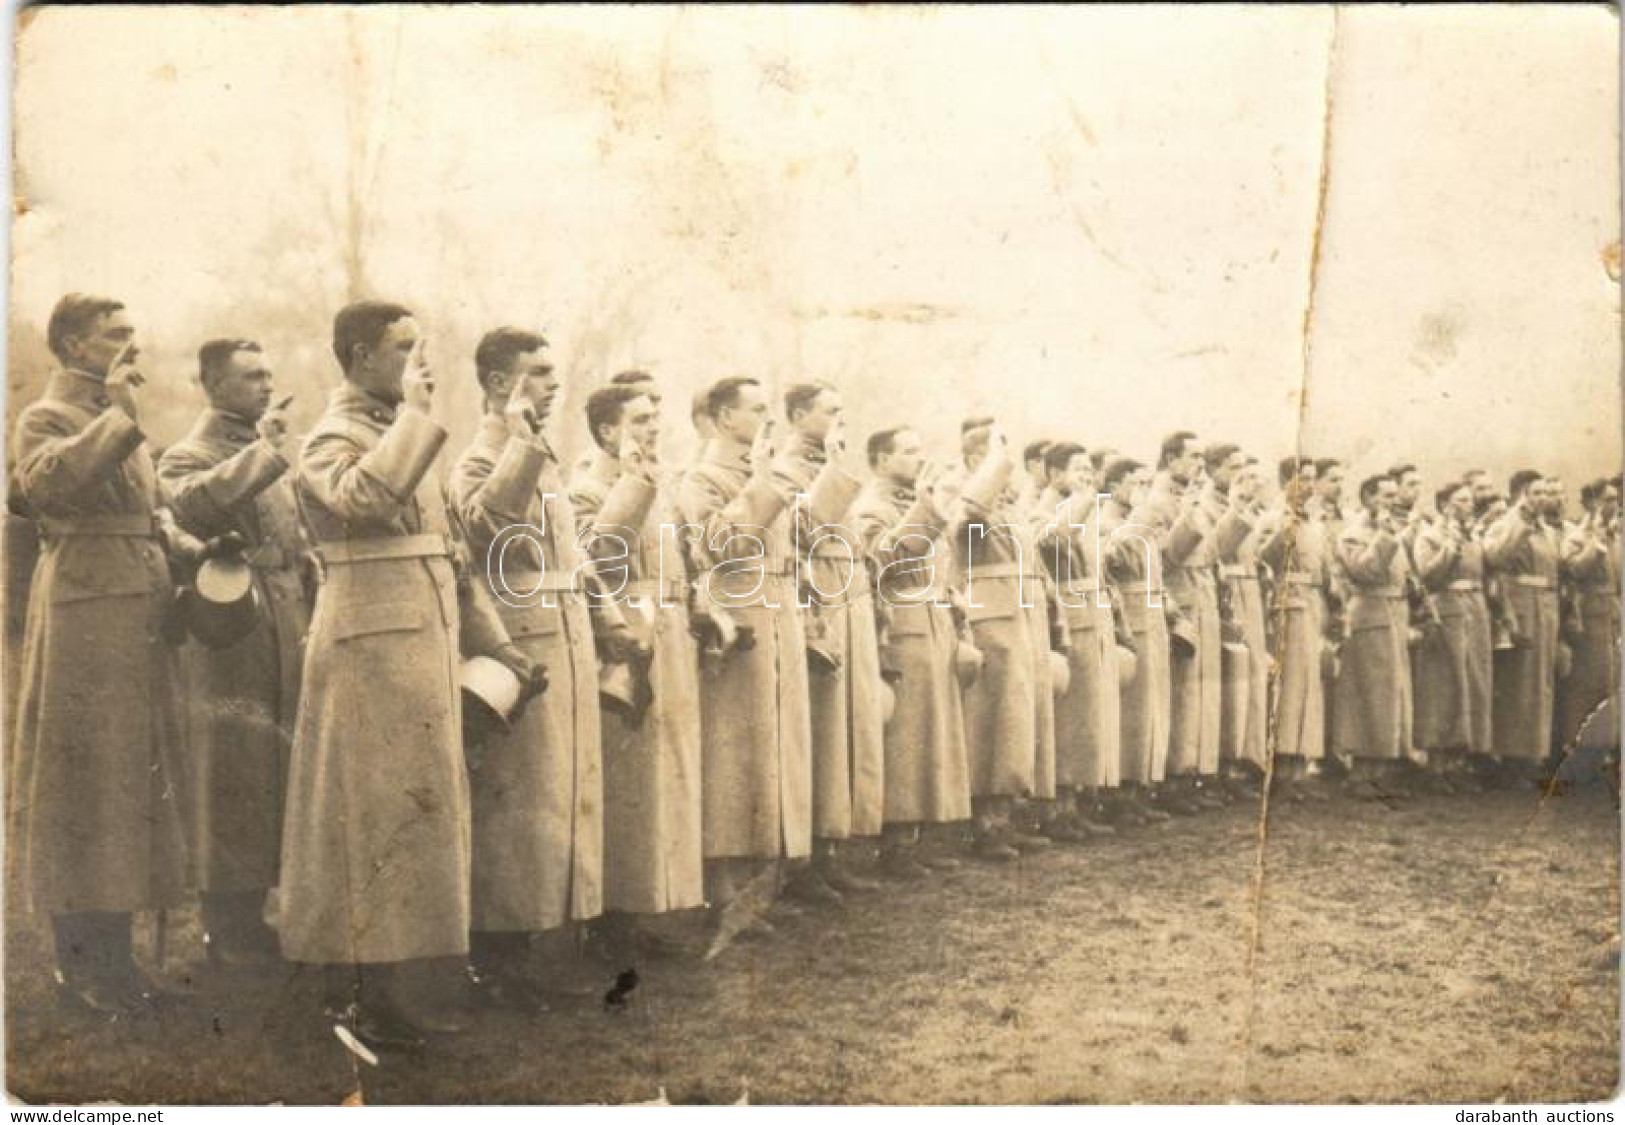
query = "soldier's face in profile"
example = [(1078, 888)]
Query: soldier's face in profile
[(1247, 482), (902, 464), (820, 416), (744, 418), (535, 378), (641, 422), (1186, 466), (246, 386), (1460, 505), (1131, 489), (1386, 497), (1331, 485), (1557, 497), (1608, 503), (95, 351), (1410, 486), (381, 367), (1227, 471), (1079, 478)]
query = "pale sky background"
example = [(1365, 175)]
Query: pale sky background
[(1095, 223)]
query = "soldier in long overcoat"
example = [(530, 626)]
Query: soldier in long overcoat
[(1088, 755), (1184, 526), (848, 748), (98, 732), (1134, 565), (537, 788), (1524, 552), (1453, 667), (1001, 707), (753, 700), (1373, 719), (230, 474), (927, 769), (653, 847), (1294, 547), (1590, 564), (376, 837), (1245, 720)]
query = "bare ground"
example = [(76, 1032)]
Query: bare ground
[(1432, 949)]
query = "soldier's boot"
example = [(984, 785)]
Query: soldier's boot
[(374, 1015), (1093, 820), (991, 847), (1138, 802), (92, 949), (1173, 798), (846, 881), (1205, 793), (897, 861), (807, 885), (235, 933)]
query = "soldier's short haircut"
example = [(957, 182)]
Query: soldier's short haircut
[(1399, 470), (801, 396), (1326, 465), (499, 347), (1116, 469), (1035, 451), (1520, 482), (631, 378), (362, 324), (881, 443), (1099, 454), (75, 315), (1369, 486), (725, 393), (1291, 467), (214, 357), (1174, 446), (700, 406), (1441, 496), (605, 407), (1059, 455), (1216, 455), (1590, 491)]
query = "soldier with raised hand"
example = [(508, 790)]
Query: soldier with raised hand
[(1525, 552), (1001, 707), (1373, 720), (1183, 521), (848, 753), (229, 474), (376, 836), (537, 787), (1133, 564), (1237, 500), (1590, 564), (753, 698), (923, 650), (653, 847), (1088, 734), (99, 733), (1294, 546), (1453, 670)]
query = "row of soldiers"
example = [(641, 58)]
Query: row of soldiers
[(733, 679)]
